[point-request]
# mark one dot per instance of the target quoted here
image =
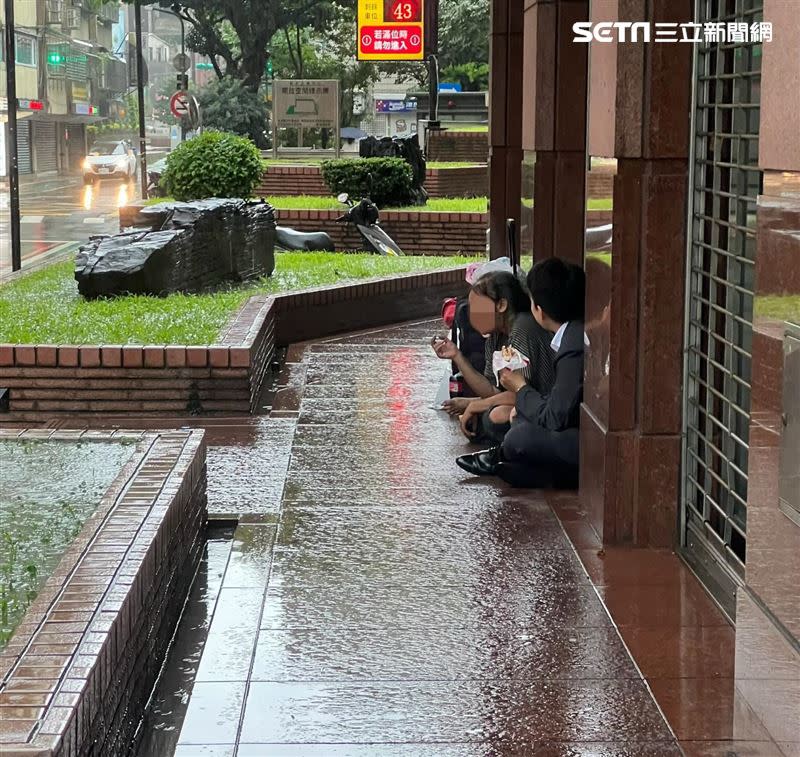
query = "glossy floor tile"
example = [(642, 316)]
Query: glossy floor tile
[(726, 691), (376, 600)]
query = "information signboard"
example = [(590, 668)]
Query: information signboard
[(310, 103), (391, 30)]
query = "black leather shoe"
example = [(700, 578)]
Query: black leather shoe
[(480, 463)]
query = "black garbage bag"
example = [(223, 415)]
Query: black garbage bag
[(399, 147)]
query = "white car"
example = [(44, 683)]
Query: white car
[(107, 160)]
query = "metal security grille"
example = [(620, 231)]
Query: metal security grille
[(726, 183)]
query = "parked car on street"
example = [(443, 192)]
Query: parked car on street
[(110, 160)]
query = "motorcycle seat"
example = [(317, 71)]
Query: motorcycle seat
[(290, 239)]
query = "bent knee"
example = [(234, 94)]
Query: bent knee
[(500, 414)]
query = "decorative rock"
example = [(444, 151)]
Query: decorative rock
[(181, 247)]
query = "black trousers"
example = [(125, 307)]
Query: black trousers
[(540, 459), (489, 432)]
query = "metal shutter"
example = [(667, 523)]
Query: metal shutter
[(24, 146), (44, 145), (76, 146), (722, 254)]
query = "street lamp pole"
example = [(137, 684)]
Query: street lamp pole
[(137, 20), (12, 167)]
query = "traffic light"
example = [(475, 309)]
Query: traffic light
[(56, 57), (269, 68)]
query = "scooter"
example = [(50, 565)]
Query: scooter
[(290, 240), (365, 217)]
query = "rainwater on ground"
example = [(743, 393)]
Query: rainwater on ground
[(374, 600)]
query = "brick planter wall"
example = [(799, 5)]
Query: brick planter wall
[(458, 146), (351, 307), (47, 380), (293, 180), (470, 181), (417, 233), (599, 185), (44, 380), (92, 643)]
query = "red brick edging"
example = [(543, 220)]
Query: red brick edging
[(90, 646), (464, 181), (45, 380), (417, 232)]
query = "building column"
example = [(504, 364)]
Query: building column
[(630, 460), (555, 126), (505, 120)]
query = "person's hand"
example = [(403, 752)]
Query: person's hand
[(444, 348), (468, 419), (511, 380), (456, 406)]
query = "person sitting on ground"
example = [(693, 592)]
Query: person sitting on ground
[(541, 450), (500, 310)]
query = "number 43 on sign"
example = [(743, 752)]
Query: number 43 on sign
[(391, 30)]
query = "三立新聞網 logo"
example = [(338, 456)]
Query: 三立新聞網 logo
[(644, 31)]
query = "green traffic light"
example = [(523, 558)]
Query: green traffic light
[(55, 59)]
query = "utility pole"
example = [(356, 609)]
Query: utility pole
[(432, 53), (12, 167), (137, 16)]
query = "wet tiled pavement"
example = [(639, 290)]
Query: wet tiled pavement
[(383, 604), (366, 598)]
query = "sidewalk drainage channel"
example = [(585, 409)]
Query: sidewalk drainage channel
[(160, 727)]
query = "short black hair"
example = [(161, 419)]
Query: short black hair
[(501, 285), (558, 288)]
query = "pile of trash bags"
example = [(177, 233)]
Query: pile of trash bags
[(180, 247)]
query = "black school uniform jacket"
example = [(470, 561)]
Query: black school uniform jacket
[(559, 409)]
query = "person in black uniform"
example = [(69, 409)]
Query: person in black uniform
[(541, 450)]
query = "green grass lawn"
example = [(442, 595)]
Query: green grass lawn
[(45, 308), (318, 161), (311, 202), (292, 161), (446, 204), (454, 164), (451, 126), (600, 203), (779, 307)]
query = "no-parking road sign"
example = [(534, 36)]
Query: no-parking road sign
[(179, 104)]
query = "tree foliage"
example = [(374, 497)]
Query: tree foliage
[(229, 105), (238, 32)]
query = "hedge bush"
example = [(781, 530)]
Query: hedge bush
[(392, 179), (213, 164)]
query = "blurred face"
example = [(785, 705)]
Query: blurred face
[(485, 315)]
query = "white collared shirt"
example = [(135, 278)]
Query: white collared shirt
[(555, 343)]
